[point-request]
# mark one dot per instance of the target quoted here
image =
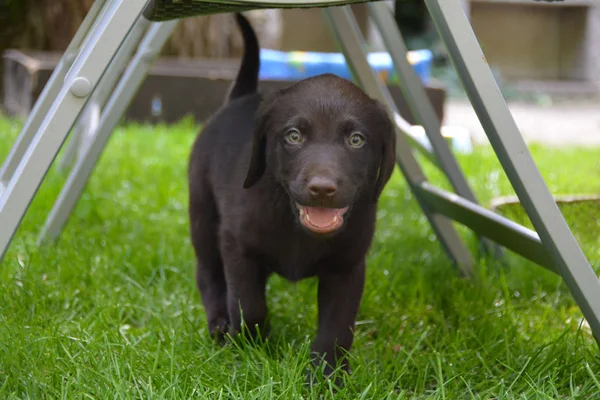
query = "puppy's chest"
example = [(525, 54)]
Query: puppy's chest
[(295, 258), (295, 255)]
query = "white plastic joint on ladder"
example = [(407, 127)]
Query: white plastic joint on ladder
[(81, 87)]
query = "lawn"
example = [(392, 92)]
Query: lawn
[(112, 311)]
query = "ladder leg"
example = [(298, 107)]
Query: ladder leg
[(420, 106), (132, 78), (347, 33), (79, 83), (502, 131), (49, 93)]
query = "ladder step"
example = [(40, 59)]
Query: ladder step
[(501, 230)]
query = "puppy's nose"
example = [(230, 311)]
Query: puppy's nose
[(322, 187)]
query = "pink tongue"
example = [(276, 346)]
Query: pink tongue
[(321, 217)]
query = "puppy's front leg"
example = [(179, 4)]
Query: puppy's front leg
[(246, 298), (339, 300)]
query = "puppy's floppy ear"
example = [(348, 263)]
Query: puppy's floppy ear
[(388, 151), (258, 158)]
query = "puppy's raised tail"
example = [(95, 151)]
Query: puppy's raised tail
[(246, 81)]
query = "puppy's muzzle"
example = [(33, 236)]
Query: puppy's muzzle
[(323, 210)]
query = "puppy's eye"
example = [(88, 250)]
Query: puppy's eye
[(293, 136), (356, 140)]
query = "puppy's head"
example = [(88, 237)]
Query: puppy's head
[(328, 144)]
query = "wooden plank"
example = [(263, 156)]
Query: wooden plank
[(194, 87), (522, 42)]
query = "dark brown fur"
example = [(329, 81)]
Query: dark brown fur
[(245, 179)]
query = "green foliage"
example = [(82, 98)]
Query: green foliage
[(111, 309)]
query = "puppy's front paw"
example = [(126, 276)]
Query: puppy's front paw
[(218, 327), (251, 333), (325, 376), (323, 370)]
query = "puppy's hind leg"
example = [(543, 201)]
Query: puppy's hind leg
[(210, 276)]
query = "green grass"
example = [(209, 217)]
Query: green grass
[(111, 310)]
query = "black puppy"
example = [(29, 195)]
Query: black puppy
[(288, 183)]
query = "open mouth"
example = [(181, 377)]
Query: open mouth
[(321, 219)]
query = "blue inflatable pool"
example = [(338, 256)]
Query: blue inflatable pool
[(280, 65)]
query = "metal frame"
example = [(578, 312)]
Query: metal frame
[(148, 50), (49, 93), (109, 23), (87, 124), (501, 129), (555, 248), (348, 35), (58, 109), (416, 97)]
